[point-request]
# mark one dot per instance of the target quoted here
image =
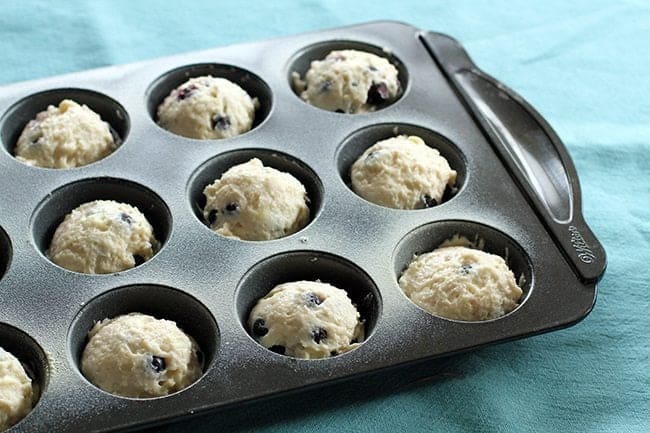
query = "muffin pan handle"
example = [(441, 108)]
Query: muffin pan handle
[(532, 151)]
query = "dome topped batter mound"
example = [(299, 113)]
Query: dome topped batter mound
[(402, 173), (306, 319), (349, 81), (256, 203), (103, 237), (67, 136), (208, 108), (16, 393), (137, 355), (461, 283)]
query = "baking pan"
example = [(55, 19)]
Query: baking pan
[(517, 190)]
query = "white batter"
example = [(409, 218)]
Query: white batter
[(402, 173), (207, 108), (137, 355), (67, 136), (102, 237), (256, 203), (306, 319), (461, 283), (349, 81), (15, 390)]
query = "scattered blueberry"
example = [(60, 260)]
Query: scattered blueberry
[(277, 349), (319, 334), (158, 364), (372, 68), (259, 328), (378, 93), (429, 201), (126, 218), (465, 269), (221, 122), (186, 92), (212, 216), (325, 86), (138, 259), (312, 299), (232, 207)]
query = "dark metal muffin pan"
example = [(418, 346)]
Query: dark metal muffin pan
[(517, 190)]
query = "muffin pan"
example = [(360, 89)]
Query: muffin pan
[(517, 189)]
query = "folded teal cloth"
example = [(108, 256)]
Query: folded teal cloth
[(584, 65)]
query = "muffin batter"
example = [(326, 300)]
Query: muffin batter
[(306, 319), (402, 173), (256, 203), (102, 237), (349, 81), (461, 283), (67, 136), (207, 108), (137, 355), (15, 390)]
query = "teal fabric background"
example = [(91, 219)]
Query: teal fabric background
[(583, 64)]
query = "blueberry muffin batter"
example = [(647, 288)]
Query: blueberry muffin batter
[(402, 173), (102, 237), (256, 203), (207, 108), (137, 355), (16, 392), (349, 81), (67, 136), (306, 319), (461, 283)]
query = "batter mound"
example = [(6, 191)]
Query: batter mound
[(102, 237), (349, 81), (16, 393), (137, 355), (402, 173), (67, 136), (461, 283), (207, 108), (306, 319), (256, 203)]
